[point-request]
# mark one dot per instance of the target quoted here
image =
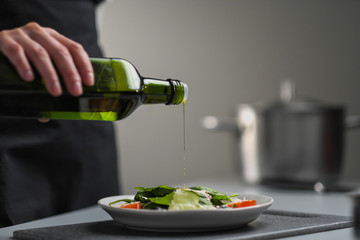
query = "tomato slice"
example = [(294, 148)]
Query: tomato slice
[(245, 203), (135, 205)]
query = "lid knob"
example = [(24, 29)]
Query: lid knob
[(287, 91)]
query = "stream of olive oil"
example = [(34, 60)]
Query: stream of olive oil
[(184, 136)]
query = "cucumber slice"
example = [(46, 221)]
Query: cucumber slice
[(184, 200)]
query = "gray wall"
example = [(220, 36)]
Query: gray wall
[(229, 52)]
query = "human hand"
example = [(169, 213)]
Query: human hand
[(42, 47), (43, 120)]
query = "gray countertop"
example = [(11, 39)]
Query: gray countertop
[(335, 203)]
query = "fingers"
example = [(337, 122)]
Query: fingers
[(61, 57), (45, 47), (16, 55), (40, 58), (43, 120), (80, 57)]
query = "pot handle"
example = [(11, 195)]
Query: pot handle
[(215, 123), (352, 122)]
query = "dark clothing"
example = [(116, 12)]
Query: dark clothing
[(49, 168)]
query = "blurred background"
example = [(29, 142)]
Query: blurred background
[(228, 52)]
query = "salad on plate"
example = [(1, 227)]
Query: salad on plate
[(175, 198)]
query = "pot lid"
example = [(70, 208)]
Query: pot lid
[(289, 102)]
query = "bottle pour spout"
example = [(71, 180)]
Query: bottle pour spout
[(186, 91), (179, 92)]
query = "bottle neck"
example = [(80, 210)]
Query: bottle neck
[(169, 92)]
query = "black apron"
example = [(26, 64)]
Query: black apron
[(54, 167)]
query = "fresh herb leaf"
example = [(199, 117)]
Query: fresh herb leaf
[(143, 197), (151, 205), (211, 191), (217, 199), (216, 196), (159, 195), (123, 200), (159, 191), (166, 200), (204, 201), (234, 195), (162, 191)]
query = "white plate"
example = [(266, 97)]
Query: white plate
[(186, 220)]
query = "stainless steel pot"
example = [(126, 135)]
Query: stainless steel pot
[(290, 141)]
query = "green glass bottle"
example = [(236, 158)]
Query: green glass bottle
[(118, 91)]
